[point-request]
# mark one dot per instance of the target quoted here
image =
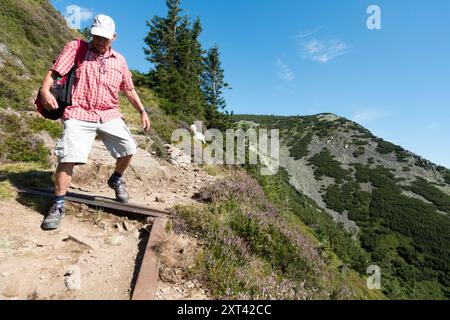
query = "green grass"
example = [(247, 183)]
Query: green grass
[(16, 141), (32, 174), (26, 174), (6, 191), (162, 124), (311, 220), (27, 28), (255, 248), (38, 124)]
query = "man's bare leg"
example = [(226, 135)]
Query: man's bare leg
[(115, 181), (122, 164), (63, 178)]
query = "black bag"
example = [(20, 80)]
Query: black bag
[(62, 91)]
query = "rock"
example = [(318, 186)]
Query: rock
[(136, 234), (119, 227), (149, 220), (103, 225), (84, 241), (168, 275), (62, 258), (117, 240), (11, 291), (72, 278), (159, 199), (128, 226), (38, 243), (5, 274)]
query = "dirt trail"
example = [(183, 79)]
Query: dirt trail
[(94, 255)]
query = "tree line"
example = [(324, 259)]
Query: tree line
[(188, 79)]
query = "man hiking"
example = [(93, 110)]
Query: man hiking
[(95, 110)]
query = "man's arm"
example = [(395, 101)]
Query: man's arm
[(61, 66), (48, 100), (134, 99)]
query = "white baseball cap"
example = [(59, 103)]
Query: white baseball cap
[(103, 26)]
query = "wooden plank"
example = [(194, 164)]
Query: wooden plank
[(147, 281), (101, 202)]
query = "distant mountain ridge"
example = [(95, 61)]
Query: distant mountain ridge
[(396, 203)]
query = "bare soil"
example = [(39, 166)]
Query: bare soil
[(95, 254)]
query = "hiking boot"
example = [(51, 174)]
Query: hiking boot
[(54, 217), (119, 187)]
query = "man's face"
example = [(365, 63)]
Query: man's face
[(102, 44)]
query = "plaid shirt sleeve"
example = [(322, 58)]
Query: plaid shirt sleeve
[(127, 80), (66, 59)]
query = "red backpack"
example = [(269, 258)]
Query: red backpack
[(62, 88)]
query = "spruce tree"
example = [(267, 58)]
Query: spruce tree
[(190, 67), (161, 50), (189, 83), (213, 84)]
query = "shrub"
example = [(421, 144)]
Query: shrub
[(327, 166), (431, 193), (359, 152), (21, 149)]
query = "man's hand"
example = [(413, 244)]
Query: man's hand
[(145, 121), (48, 100), (137, 104)]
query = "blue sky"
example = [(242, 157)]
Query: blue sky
[(292, 57)]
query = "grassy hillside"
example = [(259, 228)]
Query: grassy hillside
[(398, 200), (32, 33), (258, 247), (264, 236)]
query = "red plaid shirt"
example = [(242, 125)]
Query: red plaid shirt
[(99, 79)]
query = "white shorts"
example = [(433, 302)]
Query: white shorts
[(76, 142)]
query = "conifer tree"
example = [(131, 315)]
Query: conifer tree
[(213, 84), (161, 50), (189, 83)]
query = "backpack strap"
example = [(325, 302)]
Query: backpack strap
[(82, 48)]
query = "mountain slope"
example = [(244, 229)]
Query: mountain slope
[(394, 202), (31, 35)]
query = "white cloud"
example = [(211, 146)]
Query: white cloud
[(306, 34), (323, 51), (285, 72), (365, 116)]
